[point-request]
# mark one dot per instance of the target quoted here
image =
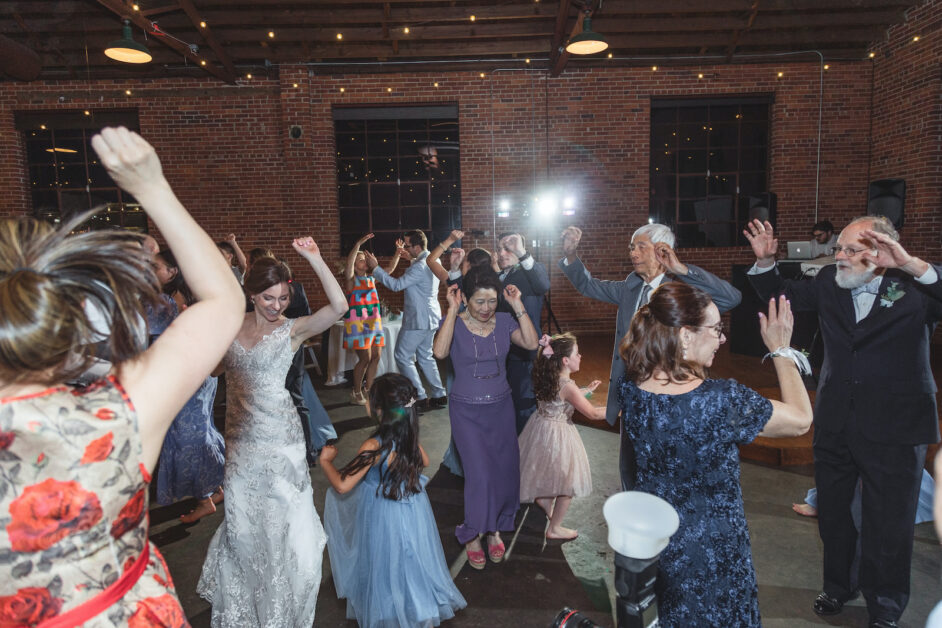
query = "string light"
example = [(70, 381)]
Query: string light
[(342, 90), (271, 34), (87, 112), (339, 35), (781, 74), (294, 85), (609, 55), (528, 61), (482, 74), (436, 83), (654, 68), (127, 92), (203, 62), (872, 55), (915, 37), (389, 89), (827, 66), (700, 75), (406, 30), (202, 24), (473, 18), (248, 76), (135, 7)]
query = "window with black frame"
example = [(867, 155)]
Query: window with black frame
[(397, 169), (709, 167), (65, 176)]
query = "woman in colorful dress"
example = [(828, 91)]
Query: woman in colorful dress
[(363, 325), (75, 462)]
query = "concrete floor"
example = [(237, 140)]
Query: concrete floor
[(534, 585)]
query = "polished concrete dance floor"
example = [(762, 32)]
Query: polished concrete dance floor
[(535, 583)]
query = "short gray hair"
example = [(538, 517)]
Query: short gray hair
[(881, 224), (656, 232)]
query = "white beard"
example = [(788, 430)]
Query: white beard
[(848, 279)]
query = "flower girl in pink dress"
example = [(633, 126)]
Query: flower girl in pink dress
[(554, 467)]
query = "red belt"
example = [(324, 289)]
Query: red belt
[(104, 600)]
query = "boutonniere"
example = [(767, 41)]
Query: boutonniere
[(892, 295)]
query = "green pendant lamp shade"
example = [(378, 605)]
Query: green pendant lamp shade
[(586, 42), (126, 49)]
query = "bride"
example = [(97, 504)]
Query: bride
[(263, 566)]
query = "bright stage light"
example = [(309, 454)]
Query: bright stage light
[(569, 203), (546, 206), (504, 205)]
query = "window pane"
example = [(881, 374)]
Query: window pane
[(352, 195), (692, 186), (755, 113), (723, 135), (755, 158), (413, 194), (386, 218), (351, 145), (350, 170), (752, 183), (664, 186), (664, 161), (724, 113), (723, 160), (755, 134), (355, 220), (722, 185), (384, 195), (692, 161), (412, 169), (693, 136), (415, 217), (42, 177), (382, 169), (381, 144), (72, 175), (692, 114)]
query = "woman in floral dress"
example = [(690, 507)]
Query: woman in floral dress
[(75, 462)]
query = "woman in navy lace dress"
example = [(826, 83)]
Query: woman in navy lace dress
[(685, 429)]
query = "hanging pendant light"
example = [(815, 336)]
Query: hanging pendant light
[(126, 49), (586, 42)]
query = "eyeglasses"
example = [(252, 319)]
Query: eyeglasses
[(848, 252), (719, 329)]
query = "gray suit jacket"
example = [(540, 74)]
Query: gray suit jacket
[(625, 295), (421, 309)]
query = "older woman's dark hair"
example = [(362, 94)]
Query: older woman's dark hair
[(480, 278), (264, 274), (653, 341)]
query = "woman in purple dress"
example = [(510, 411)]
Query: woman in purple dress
[(480, 407)]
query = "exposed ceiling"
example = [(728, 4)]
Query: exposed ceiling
[(64, 39)]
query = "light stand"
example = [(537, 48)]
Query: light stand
[(639, 527)]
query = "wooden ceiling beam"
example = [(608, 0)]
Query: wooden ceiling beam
[(734, 38), (559, 33), (195, 18), (124, 12)]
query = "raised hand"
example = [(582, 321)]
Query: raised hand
[(371, 262), (129, 159), (400, 243), (231, 238), (763, 241), (514, 244), (455, 235), (776, 327), (328, 453), (457, 256), (362, 240), (668, 259), (512, 294), (306, 247), (453, 296), (591, 387), (571, 237), (888, 253), (404, 254)]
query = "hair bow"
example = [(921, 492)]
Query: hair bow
[(547, 347), (411, 403)]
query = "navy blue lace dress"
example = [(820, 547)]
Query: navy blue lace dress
[(686, 454)]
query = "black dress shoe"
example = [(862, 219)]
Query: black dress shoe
[(422, 405), (438, 402), (883, 623), (826, 604)]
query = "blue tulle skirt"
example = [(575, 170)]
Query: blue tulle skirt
[(387, 558)]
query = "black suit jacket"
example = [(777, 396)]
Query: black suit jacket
[(876, 371), (533, 284)]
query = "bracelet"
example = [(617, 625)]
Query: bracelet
[(519, 314), (799, 358), (525, 255)]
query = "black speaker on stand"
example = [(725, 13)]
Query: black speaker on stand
[(887, 197)]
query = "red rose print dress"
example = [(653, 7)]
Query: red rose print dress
[(73, 504)]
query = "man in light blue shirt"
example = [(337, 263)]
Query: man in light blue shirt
[(420, 317)]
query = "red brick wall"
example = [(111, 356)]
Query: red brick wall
[(226, 149), (907, 122)]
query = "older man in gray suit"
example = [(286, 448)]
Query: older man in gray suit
[(655, 262), (420, 317)]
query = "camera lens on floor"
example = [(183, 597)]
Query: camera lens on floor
[(572, 618)]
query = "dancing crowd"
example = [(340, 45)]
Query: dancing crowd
[(110, 349)]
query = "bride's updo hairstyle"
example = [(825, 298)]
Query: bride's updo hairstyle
[(51, 280), (265, 273), (653, 341)]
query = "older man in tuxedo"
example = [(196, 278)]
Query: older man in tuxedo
[(875, 410), (655, 262)]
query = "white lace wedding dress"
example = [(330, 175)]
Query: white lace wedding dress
[(263, 566)]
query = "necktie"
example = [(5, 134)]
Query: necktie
[(645, 294)]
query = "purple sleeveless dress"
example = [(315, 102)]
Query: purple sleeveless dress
[(482, 424)]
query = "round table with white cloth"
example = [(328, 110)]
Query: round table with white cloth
[(340, 359)]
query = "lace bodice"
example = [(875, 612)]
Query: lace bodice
[(256, 399)]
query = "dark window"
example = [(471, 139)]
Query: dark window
[(65, 176), (708, 158), (397, 169)]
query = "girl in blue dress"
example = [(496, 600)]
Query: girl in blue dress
[(385, 551)]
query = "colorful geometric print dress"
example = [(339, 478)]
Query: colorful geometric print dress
[(362, 325), (73, 499)]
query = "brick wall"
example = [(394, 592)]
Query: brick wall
[(226, 149)]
